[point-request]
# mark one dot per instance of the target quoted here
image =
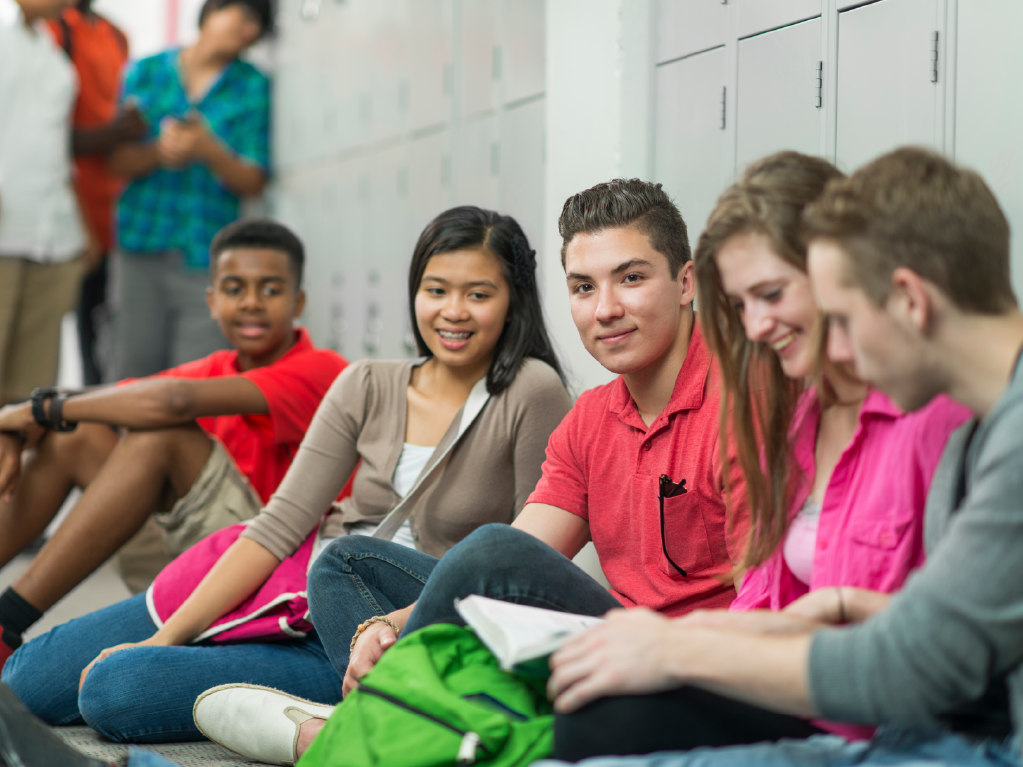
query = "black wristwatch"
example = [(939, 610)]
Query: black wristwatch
[(55, 421)]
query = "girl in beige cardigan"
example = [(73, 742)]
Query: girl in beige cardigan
[(460, 433)]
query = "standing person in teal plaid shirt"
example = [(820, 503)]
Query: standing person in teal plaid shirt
[(208, 146)]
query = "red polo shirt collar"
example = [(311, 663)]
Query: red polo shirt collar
[(687, 395)]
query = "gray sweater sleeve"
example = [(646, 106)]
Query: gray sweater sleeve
[(325, 459), (959, 621)]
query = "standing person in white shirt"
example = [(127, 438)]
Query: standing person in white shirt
[(42, 237)]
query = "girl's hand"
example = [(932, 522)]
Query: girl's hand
[(839, 604), (750, 621), (370, 647), (151, 642)]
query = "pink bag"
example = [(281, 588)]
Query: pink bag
[(278, 610)]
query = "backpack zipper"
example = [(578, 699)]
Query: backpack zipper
[(467, 736)]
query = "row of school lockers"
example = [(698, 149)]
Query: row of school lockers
[(389, 111)]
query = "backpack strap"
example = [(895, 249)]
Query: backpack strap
[(478, 398)]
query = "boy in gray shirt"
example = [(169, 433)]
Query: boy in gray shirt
[(909, 259)]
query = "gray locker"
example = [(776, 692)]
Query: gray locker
[(689, 26), (478, 165), (430, 180), (989, 109), (522, 164), (777, 104), (887, 94), (430, 72), (480, 65), (756, 16), (521, 57), (689, 151)]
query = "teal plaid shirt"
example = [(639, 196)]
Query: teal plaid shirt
[(183, 209)]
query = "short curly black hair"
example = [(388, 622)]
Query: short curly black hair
[(264, 10), (261, 234)]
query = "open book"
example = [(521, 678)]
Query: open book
[(521, 637)]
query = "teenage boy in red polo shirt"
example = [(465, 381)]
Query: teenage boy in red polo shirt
[(204, 444), (630, 281)]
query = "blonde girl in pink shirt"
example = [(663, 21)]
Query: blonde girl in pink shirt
[(837, 474)]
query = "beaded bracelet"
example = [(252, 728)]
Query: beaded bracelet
[(367, 623)]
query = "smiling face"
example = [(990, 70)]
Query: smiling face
[(773, 298), (625, 303), (255, 299), (461, 307), (231, 29), (886, 350)]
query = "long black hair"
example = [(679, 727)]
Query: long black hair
[(525, 334)]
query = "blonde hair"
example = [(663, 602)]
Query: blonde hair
[(759, 400)]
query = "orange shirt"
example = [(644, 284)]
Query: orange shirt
[(99, 51)]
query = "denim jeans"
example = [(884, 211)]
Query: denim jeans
[(146, 694), (503, 563), (892, 745), (355, 578)]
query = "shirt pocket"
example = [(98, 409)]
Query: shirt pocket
[(885, 534), (881, 552), (685, 537)]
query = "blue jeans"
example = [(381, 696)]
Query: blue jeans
[(892, 745), (355, 578), (146, 694), (503, 563)]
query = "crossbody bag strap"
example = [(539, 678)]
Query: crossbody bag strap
[(478, 398)]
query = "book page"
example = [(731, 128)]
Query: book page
[(517, 633)]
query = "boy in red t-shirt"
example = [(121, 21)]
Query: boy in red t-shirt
[(202, 445), (648, 438)]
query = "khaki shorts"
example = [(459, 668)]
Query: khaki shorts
[(221, 496)]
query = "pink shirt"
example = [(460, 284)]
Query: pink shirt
[(870, 533)]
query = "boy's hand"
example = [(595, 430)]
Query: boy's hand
[(623, 656), (372, 644), (183, 141), (130, 125)]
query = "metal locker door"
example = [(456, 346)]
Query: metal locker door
[(430, 180), (755, 16), (351, 248), (430, 77), (689, 151), (481, 66), (387, 312), (522, 168), (689, 26), (989, 110), (777, 103), (390, 64), (477, 164), (887, 91), (521, 58)]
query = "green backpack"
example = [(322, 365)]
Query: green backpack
[(437, 698)]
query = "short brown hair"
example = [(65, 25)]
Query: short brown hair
[(913, 208), (759, 400), (625, 202)]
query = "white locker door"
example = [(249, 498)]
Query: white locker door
[(478, 165), (481, 65), (429, 179), (522, 171), (989, 110), (689, 151), (689, 26), (430, 72), (756, 16), (393, 245), (886, 97), (777, 106), (522, 56), (352, 248)]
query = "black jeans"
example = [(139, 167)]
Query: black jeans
[(91, 316), (677, 720)]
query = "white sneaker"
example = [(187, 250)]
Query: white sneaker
[(260, 723)]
